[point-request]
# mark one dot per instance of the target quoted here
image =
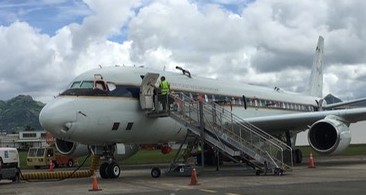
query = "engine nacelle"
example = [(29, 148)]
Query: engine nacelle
[(71, 148), (329, 135)]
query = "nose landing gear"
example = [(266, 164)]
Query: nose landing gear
[(108, 169)]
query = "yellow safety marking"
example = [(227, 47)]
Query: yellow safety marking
[(209, 191), (64, 174)]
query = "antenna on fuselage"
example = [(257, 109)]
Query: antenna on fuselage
[(184, 71)]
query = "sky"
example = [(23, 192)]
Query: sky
[(44, 44)]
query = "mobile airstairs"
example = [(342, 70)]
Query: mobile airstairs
[(228, 133)]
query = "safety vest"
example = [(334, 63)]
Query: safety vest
[(164, 87)]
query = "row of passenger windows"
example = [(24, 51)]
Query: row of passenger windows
[(90, 88), (252, 102)]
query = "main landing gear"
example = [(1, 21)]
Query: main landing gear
[(290, 139), (109, 169)]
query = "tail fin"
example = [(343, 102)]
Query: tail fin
[(316, 77)]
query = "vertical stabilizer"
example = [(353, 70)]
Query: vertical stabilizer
[(316, 77)]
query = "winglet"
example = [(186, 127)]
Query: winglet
[(316, 77)]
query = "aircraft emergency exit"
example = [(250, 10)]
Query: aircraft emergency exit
[(104, 110)]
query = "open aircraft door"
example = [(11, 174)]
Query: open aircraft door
[(147, 91)]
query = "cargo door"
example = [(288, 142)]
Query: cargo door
[(147, 90)]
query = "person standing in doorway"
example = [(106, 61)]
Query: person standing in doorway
[(164, 92)]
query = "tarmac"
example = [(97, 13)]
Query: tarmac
[(333, 174)]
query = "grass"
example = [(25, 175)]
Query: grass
[(155, 156), (150, 156), (352, 150), (141, 157)]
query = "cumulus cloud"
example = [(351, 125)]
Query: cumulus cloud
[(277, 38), (263, 42), (38, 64)]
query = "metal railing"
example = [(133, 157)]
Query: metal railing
[(234, 130)]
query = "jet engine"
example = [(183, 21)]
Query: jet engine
[(121, 151), (329, 135), (71, 148)]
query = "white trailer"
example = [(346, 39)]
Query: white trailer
[(9, 164)]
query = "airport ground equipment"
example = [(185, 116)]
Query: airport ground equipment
[(9, 163), (220, 128), (42, 156)]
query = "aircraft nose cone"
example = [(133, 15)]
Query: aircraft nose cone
[(58, 116)]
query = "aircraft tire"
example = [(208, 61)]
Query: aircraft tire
[(113, 170), (155, 172), (103, 171)]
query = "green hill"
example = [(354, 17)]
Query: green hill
[(20, 114)]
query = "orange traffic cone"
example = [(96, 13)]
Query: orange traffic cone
[(51, 166), (193, 177), (311, 161), (95, 184)]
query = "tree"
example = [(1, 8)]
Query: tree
[(28, 128)]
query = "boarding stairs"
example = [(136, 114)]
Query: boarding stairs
[(230, 134)]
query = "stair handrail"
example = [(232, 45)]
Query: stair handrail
[(243, 125)]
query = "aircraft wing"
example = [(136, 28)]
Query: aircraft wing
[(343, 103), (302, 121)]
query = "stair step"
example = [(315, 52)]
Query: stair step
[(231, 134)]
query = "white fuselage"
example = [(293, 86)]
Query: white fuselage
[(116, 116)]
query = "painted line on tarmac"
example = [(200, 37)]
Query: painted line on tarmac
[(173, 185), (208, 191)]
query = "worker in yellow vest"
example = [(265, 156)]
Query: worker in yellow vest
[(164, 92)]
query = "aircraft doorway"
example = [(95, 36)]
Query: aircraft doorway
[(147, 91)]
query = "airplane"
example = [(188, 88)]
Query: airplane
[(104, 111)]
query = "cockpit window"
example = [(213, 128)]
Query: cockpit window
[(101, 88), (82, 85), (87, 85), (75, 85), (101, 85), (111, 86)]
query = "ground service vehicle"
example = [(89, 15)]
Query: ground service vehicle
[(41, 156), (9, 164)]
